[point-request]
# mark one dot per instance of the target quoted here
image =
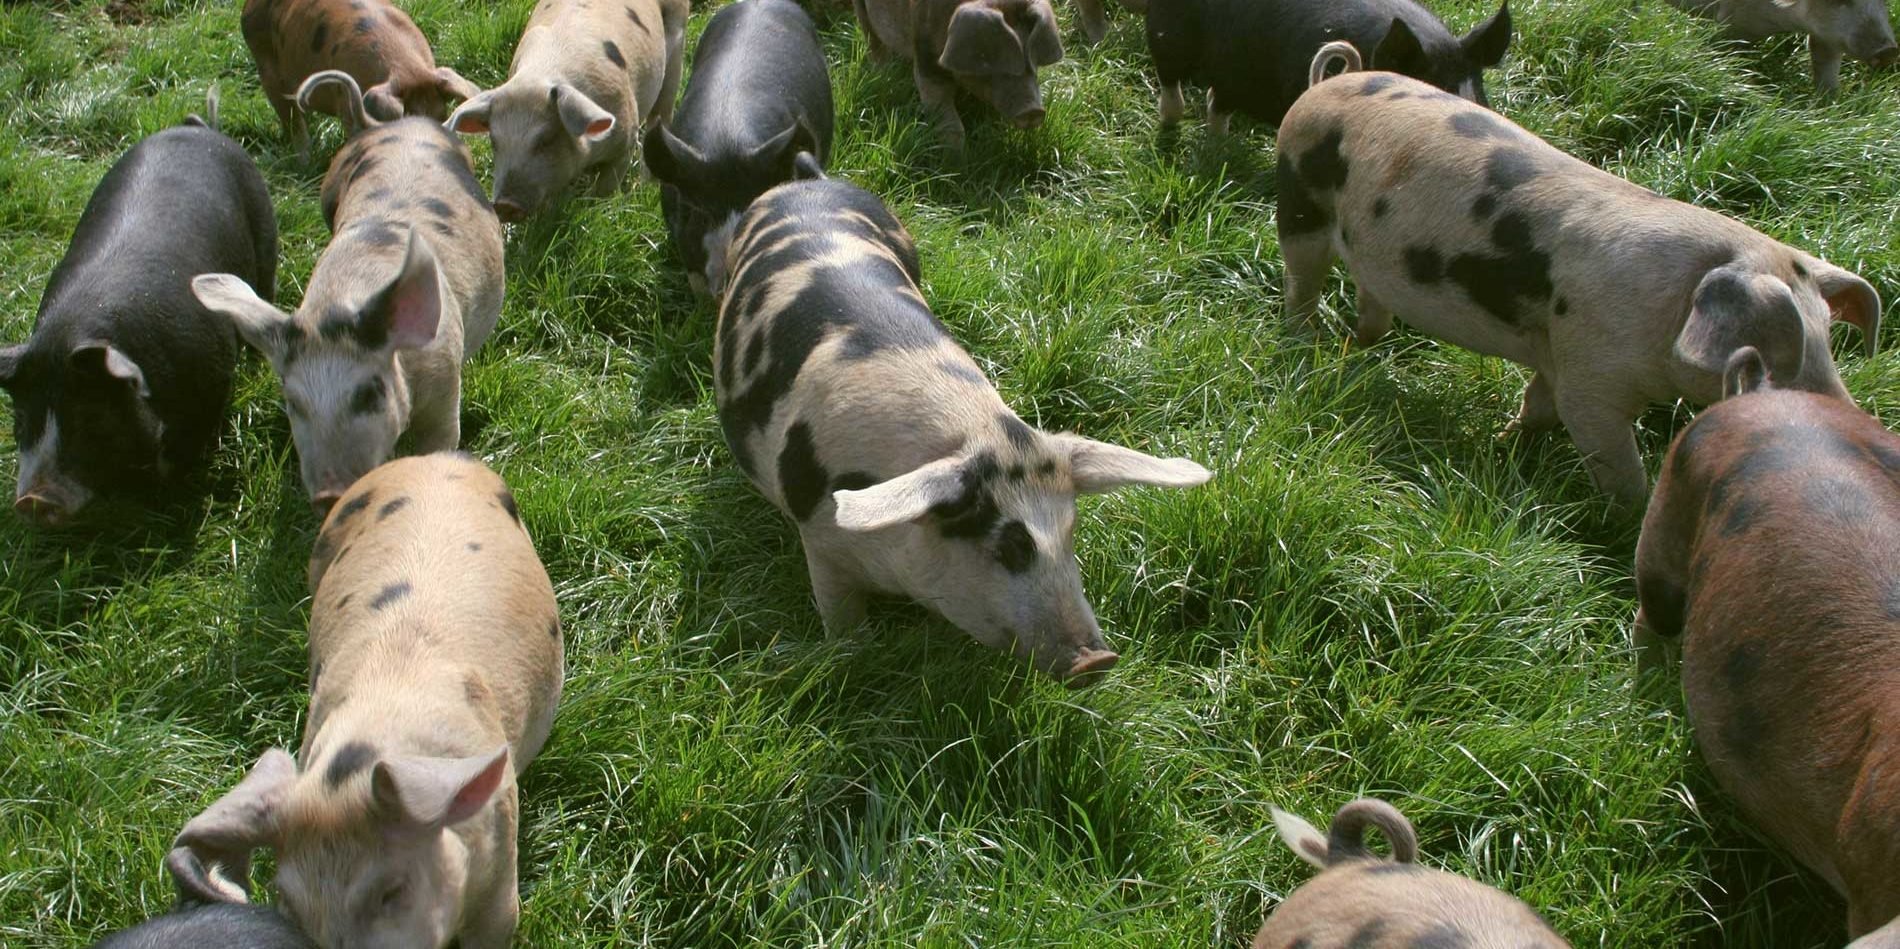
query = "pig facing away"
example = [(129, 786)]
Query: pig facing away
[(1836, 29), (759, 98), (123, 385), (372, 40), (852, 409), (435, 669), (587, 77), (992, 48), (1253, 55), (1361, 901), (1771, 552), (1479, 233), (211, 926), (410, 284)]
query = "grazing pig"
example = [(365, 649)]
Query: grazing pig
[(758, 100), (1480, 233), (211, 926), (1836, 29), (586, 78), (990, 47), (373, 41), (851, 408), (1253, 55), (123, 386), (409, 286), (1770, 552), (1360, 901), (435, 669)]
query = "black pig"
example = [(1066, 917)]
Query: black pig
[(212, 926)]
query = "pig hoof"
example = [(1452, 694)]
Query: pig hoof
[(1090, 667)]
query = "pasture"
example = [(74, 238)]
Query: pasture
[(1373, 595)]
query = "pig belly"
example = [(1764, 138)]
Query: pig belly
[(1442, 311)]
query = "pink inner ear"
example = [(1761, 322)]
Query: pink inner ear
[(599, 127), (471, 125), (417, 310), (476, 793)]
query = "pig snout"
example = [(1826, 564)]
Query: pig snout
[(510, 211), (1885, 57), (1028, 118), (42, 508), (1019, 100), (1090, 667)]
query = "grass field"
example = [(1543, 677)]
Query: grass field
[(1372, 596)]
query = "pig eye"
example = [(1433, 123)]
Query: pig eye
[(391, 897)]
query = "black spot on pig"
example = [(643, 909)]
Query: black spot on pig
[(962, 371), (554, 629), (1375, 83), (1015, 548), (1440, 936), (391, 508), (1047, 468), (1021, 436), (800, 476), (348, 762), (319, 36), (754, 351), (390, 594), (1562, 306), (635, 17), (506, 499), (1838, 498), (350, 508), (377, 232), (852, 481), (474, 548), (1368, 934), (1424, 265), (475, 690), (1017, 472), (1484, 206), (1891, 602), (1322, 166), (1497, 282), (973, 514), (613, 54), (1799, 270), (1507, 168), (364, 25), (438, 207), (1471, 123), (1298, 213), (1380, 207)]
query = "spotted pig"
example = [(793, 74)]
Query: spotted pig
[(409, 286), (1479, 233), (1771, 554), (852, 409), (435, 669), (1836, 29), (992, 48), (1360, 901)]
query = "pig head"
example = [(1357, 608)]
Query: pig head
[(1836, 29), (989, 48)]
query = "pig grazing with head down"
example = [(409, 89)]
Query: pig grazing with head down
[(435, 669), (852, 409), (1771, 551), (587, 77), (1360, 901), (409, 286), (123, 385), (1836, 29), (990, 47), (1479, 233)]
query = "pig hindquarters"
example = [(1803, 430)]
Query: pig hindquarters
[(991, 48), (1836, 29)]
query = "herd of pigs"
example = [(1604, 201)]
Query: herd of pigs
[(436, 665)]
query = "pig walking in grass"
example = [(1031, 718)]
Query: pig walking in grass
[(435, 669), (1361, 901), (123, 385), (588, 76), (1478, 232), (851, 408), (992, 48), (409, 286), (1771, 552), (1836, 29)]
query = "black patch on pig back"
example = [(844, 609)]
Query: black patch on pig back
[(1478, 124), (1322, 166), (1440, 936), (390, 595), (1375, 83), (391, 508), (1508, 167), (1015, 548), (506, 499), (350, 508), (613, 54), (1842, 500), (800, 477), (972, 514), (1497, 282), (1368, 934), (348, 762), (1298, 212), (474, 547), (364, 25), (960, 371), (1021, 436), (1424, 265), (635, 17)]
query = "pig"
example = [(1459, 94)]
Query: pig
[(1253, 55), (849, 406), (759, 102), (1768, 553), (435, 670), (123, 385), (1360, 901), (990, 47), (586, 78), (1836, 29), (410, 285), (373, 41), (211, 926), (1095, 22), (1481, 234)]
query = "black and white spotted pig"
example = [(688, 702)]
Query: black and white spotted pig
[(1836, 29), (1771, 552), (211, 926), (123, 385), (759, 98), (409, 286), (852, 409), (1478, 232), (992, 48), (435, 669), (1361, 901)]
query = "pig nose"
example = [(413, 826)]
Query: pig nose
[(1090, 666), (1028, 118), (324, 500), (509, 211), (40, 510)]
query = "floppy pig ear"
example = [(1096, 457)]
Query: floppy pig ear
[(583, 118), (1045, 47), (1399, 51), (664, 154), (981, 43), (1485, 45), (102, 359), (432, 793), (405, 314), (1852, 300), (381, 103), (453, 85), (211, 858), (1735, 308), (10, 357), (258, 322), (904, 498), (1098, 467), (471, 118)]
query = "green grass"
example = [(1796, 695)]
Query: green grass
[(1372, 596)]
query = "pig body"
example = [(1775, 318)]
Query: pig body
[(409, 286), (1362, 901), (123, 385), (373, 41), (1768, 552), (1836, 29), (851, 408), (211, 926), (991, 48), (759, 97), (435, 669), (586, 78), (1253, 55), (1479, 233)]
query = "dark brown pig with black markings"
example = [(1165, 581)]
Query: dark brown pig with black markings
[(1363, 901), (410, 285), (992, 48), (1836, 29), (588, 77), (1771, 554), (851, 408), (435, 669), (1478, 232)]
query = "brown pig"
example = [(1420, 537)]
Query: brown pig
[(990, 47), (1770, 552), (435, 668)]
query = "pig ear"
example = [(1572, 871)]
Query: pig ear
[(1852, 300), (433, 793), (10, 357), (981, 43), (584, 119), (1304, 838), (666, 156), (1485, 45), (258, 322), (1045, 47), (805, 167), (101, 359), (211, 858), (381, 103), (1745, 372), (453, 86), (781, 151), (902, 499), (1098, 467), (405, 314), (472, 117), (1400, 52), (1735, 308)]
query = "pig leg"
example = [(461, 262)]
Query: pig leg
[(1826, 61), (436, 424), (1604, 433), (1651, 648), (493, 926), (1172, 106), (1216, 119), (670, 85), (1538, 412), (873, 44), (1094, 23), (1308, 257), (939, 97), (1375, 319), (840, 598)]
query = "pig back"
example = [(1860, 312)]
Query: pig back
[(1379, 904)]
